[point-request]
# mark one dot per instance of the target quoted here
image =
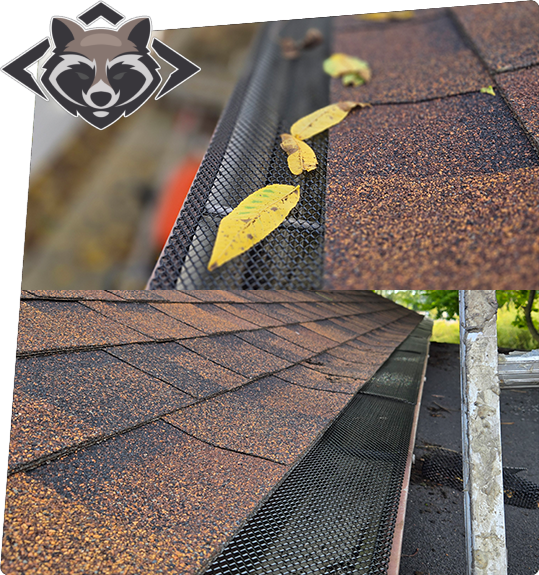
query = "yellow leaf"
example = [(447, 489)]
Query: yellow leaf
[(300, 155), (352, 79), (322, 119), (488, 90), (251, 221), (340, 64), (385, 16)]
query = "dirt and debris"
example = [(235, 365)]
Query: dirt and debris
[(291, 49)]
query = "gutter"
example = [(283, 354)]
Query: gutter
[(396, 550), (341, 508)]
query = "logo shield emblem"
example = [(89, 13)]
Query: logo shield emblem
[(101, 74)]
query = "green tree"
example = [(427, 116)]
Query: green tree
[(524, 302), (445, 304), (411, 299)]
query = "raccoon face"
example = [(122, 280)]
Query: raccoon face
[(117, 84), (101, 74)]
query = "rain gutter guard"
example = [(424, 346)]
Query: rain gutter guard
[(341, 509), (245, 155)]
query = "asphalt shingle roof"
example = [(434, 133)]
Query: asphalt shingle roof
[(148, 426), (436, 168), (433, 183)]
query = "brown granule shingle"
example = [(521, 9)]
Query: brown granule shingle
[(269, 418), (453, 179)]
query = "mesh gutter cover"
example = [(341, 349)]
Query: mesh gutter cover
[(413, 186), (244, 155), (336, 511), (108, 393)]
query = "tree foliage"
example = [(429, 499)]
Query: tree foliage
[(445, 304), (524, 302)]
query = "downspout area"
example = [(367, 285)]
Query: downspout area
[(340, 510)]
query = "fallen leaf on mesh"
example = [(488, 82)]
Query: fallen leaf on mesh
[(386, 16), (488, 90), (251, 221), (301, 157), (322, 119), (291, 49), (313, 37), (340, 64)]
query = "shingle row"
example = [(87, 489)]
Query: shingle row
[(436, 168), (145, 431)]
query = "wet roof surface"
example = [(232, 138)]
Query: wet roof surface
[(437, 181), (152, 427)]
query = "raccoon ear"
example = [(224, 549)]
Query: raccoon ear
[(137, 31), (64, 31)]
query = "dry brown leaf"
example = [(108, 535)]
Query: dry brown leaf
[(301, 157), (291, 49)]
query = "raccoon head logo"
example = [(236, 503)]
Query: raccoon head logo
[(101, 74)]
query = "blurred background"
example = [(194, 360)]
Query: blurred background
[(101, 204)]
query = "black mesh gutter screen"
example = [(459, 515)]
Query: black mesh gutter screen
[(244, 155), (335, 513)]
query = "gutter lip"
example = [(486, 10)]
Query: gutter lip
[(396, 548), (215, 566)]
